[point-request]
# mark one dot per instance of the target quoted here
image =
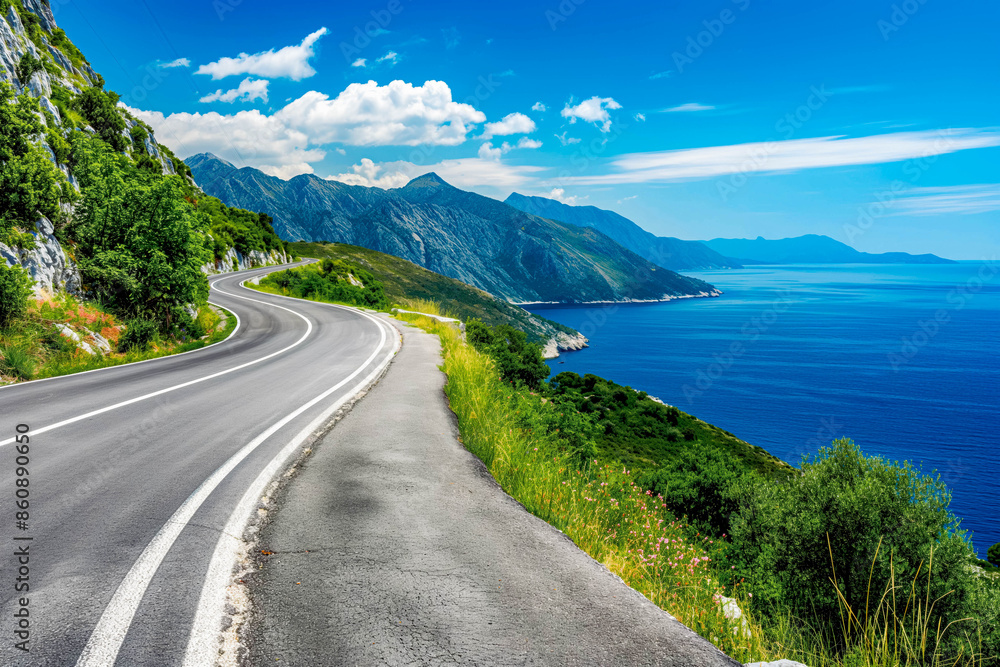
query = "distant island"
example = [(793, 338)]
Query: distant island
[(810, 249)]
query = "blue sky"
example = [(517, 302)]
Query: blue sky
[(872, 122)]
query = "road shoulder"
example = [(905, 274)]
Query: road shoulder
[(394, 545)]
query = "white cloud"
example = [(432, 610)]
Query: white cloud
[(688, 107), (399, 113), (525, 142), (366, 174), (625, 199), (291, 62), (462, 173), (641, 117), (788, 156), (955, 199), (287, 171), (559, 194), (666, 74), (566, 141), (390, 57), (360, 62), (340, 151), (246, 138), (512, 123), (538, 106), (248, 91), (180, 62), (488, 152), (594, 110)]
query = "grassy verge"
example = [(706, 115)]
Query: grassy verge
[(599, 505), (36, 347)]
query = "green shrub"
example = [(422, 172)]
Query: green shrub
[(993, 554), (27, 67), (30, 183), (101, 111), (517, 360), (17, 362), (138, 334), (15, 288), (863, 522)]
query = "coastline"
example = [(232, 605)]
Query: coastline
[(665, 298)]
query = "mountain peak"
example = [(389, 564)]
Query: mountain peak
[(428, 180), (201, 158)]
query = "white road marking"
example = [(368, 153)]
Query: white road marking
[(106, 640), (94, 413), (32, 383), (203, 642)]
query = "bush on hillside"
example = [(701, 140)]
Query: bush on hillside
[(517, 360), (15, 288), (993, 555), (138, 334), (875, 521), (331, 281), (100, 108), (29, 182)]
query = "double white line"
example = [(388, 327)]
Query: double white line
[(106, 640)]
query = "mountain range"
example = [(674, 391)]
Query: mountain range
[(810, 249), (507, 252), (665, 251)]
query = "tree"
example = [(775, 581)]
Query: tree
[(139, 245), (101, 111)]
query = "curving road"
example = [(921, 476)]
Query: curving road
[(139, 476)]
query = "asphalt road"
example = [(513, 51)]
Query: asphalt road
[(130, 506), (393, 545)]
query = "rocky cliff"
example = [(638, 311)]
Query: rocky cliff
[(38, 59)]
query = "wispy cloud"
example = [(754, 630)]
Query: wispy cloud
[(538, 106), (566, 140), (661, 75), (360, 62), (789, 156), (180, 62), (248, 91), (390, 57), (955, 199), (689, 107), (290, 62)]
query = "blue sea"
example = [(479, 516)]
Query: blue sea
[(903, 359)]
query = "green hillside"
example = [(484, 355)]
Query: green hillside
[(407, 284)]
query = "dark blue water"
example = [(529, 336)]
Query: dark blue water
[(905, 360)]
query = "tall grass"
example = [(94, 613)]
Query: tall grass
[(629, 530)]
